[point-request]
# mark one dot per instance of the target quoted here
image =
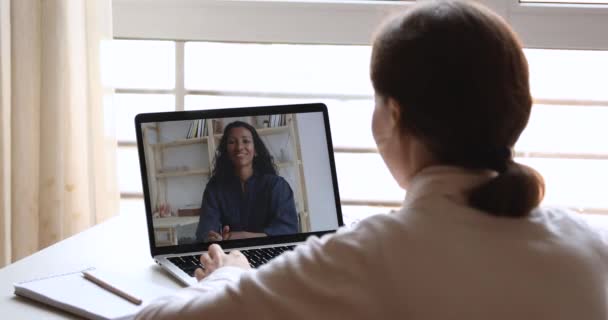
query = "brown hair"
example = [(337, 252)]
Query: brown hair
[(460, 77)]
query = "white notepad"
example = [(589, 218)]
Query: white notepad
[(73, 293)]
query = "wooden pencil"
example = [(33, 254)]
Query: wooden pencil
[(111, 288)]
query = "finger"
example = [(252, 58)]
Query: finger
[(238, 259), (206, 260), (239, 256), (216, 253), (226, 232), (199, 274)]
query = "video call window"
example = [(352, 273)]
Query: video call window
[(196, 191)]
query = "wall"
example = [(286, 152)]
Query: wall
[(183, 192), (317, 172)]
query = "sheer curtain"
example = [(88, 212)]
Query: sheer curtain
[(57, 157)]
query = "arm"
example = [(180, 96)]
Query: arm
[(332, 277), (232, 235), (285, 217), (210, 215)]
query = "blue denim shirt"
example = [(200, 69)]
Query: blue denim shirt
[(266, 205)]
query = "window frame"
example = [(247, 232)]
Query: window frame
[(334, 23), (340, 22)]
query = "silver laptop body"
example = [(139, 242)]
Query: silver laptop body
[(192, 194)]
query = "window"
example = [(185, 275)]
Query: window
[(573, 25), (569, 1), (314, 61)]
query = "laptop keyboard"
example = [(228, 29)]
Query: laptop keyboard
[(256, 257)]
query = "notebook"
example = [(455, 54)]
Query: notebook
[(257, 179), (75, 294)]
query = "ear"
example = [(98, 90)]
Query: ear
[(395, 112)]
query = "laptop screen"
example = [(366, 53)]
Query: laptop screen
[(235, 174)]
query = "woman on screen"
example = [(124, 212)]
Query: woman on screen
[(470, 242), (245, 197)]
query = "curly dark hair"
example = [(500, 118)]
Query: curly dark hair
[(263, 162)]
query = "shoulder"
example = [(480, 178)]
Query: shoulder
[(568, 223), (213, 181), (380, 230), (585, 233), (273, 180), (380, 237), (559, 219), (213, 184)]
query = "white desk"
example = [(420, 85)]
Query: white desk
[(120, 243), (124, 238)]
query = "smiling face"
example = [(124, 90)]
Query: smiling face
[(240, 147)]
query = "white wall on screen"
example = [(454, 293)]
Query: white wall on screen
[(317, 172)]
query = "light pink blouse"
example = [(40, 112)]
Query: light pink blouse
[(436, 258)]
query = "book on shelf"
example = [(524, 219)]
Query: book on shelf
[(192, 129), (197, 129), (189, 129), (275, 120)]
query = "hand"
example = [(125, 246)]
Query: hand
[(244, 235), (232, 235), (214, 236), (215, 258)]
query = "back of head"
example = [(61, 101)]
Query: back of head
[(460, 76)]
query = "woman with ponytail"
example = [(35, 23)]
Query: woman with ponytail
[(470, 242)]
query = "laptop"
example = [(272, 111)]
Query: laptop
[(257, 179)]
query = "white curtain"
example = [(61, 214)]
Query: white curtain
[(57, 157)]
